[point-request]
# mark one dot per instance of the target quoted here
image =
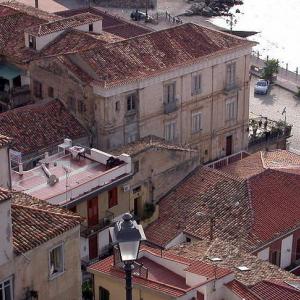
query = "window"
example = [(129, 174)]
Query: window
[(169, 92), (6, 290), (50, 92), (230, 75), (91, 27), (131, 102), (71, 103), (113, 197), (56, 263), (37, 89), (230, 109), (136, 166), (103, 294), (131, 137), (32, 41), (170, 129), (117, 105), (196, 84), (81, 107), (196, 122), (275, 258)]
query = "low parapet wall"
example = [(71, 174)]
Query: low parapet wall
[(135, 4)]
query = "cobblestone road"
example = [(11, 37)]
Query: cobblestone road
[(272, 105)]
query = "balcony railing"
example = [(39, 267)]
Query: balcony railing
[(170, 107), (17, 96)]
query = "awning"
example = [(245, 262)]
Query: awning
[(9, 72)]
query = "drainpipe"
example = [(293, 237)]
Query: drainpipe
[(212, 113), (244, 106)]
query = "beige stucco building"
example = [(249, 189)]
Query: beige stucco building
[(192, 89), (40, 250)]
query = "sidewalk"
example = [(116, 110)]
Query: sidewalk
[(285, 78)]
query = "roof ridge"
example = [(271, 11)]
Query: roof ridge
[(67, 215)]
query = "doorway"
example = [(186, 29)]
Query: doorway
[(229, 145), (93, 246), (92, 210)]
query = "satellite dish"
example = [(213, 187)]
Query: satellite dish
[(52, 180)]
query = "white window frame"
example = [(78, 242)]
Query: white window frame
[(196, 83), (170, 131), (56, 274), (2, 285), (231, 75), (170, 92), (231, 109), (196, 121)]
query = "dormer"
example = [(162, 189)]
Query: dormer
[(38, 37)]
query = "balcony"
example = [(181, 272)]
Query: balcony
[(86, 231), (16, 97), (170, 107)]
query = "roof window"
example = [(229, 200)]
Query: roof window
[(243, 268)]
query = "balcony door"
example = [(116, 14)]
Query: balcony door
[(228, 145), (93, 212)]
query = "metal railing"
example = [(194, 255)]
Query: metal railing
[(170, 107), (227, 160)]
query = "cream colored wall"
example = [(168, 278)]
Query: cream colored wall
[(211, 102), (116, 287), (32, 270), (4, 167)]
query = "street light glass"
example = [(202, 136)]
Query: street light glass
[(127, 234)]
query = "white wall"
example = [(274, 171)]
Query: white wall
[(194, 279), (103, 240), (84, 248), (264, 254), (97, 27), (181, 238), (286, 251)]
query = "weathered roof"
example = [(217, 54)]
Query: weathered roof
[(233, 257), (146, 143), (112, 24), (38, 126), (157, 52), (35, 222), (15, 18), (204, 194), (4, 194), (72, 41), (63, 23)]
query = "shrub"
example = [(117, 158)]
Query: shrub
[(87, 291), (149, 209), (270, 69)]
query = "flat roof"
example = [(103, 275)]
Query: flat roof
[(75, 178)]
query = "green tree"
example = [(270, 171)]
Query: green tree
[(270, 69)]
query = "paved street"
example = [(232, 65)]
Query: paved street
[(272, 105)]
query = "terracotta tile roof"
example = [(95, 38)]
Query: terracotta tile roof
[(157, 52), (146, 143), (4, 140), (232, 257), (210, 193), (268, 290), (35, 222), (15, 18), (241, 290), (159, 277), (64, 23), (247, 167), (275, 203), (281, 159), (110, 23), (72, 41), (4, 194), (28, 10), (38, 126)]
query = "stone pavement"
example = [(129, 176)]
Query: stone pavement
[(285, 78)]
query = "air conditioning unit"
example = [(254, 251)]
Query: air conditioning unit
[(126, 188)]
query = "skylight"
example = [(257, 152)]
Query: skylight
[(243, 268), (215, 259)]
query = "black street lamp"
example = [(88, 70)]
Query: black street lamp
[(127, 235)]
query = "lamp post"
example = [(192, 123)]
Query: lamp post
[(127, 235)]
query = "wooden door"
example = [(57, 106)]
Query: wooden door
[(228, 145), (93, 246), (93, 212)]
